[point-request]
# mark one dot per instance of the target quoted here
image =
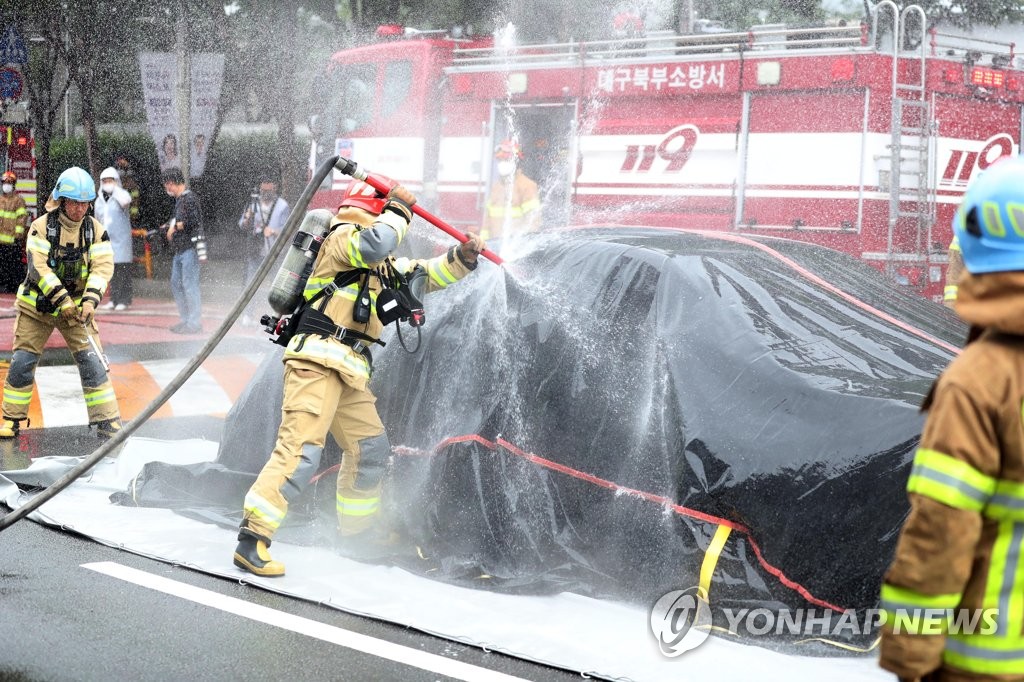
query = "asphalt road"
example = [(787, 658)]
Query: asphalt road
[(62, 620), (63, 616)]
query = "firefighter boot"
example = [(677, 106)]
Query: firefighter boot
[(10, 428), (252, 555), (108, 428)]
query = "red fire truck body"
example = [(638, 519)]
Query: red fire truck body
[(828, 135)]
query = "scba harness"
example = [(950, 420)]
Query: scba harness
[(396, 302), (67, 262)]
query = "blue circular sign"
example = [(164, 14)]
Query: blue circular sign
[(10, 84)]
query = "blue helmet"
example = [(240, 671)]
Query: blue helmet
[(75, 183), (990, 222)]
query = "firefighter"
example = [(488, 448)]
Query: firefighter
[(14, 218), (513, 206), (959, 552), (70, 261), (328, 367), (954, 270)]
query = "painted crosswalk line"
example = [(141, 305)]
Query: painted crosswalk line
[(211, 390)]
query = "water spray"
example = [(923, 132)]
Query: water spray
[(352, 169)]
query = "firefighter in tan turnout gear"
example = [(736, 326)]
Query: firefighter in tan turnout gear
[(954, 270), (513, 206), (14, 218), (953, 597), (70, 261), (328, 367)]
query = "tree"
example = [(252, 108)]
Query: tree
[(968, 13), (46, 78)]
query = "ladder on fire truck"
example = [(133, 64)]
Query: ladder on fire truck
[(911, 199)]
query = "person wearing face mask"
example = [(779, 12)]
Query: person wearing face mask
[(112, 209), (513, 206), (14, 218), (70, 261), (262, 221)]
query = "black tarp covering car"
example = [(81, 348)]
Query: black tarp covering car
[(589, 419)]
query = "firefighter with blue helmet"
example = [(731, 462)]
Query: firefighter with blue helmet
[(349, 296), (952, 596), (70, 262)]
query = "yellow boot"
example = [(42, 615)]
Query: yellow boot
[(10, 428), (252, 555)]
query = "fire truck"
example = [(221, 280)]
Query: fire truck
[(861, 138), (17, 153)]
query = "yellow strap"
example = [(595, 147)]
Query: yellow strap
[(707, 568)]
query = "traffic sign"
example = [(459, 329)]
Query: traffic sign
[(12, 47), (10, 84)]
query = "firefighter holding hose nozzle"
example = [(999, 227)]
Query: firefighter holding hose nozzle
[(356, 287)]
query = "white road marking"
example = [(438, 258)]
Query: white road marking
[(60, 391), (303, 626), (201, 394), (60, 396)]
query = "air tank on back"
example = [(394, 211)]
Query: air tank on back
[(286, 291)]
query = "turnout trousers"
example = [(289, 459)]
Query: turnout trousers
[(30, 336), (317, 401)]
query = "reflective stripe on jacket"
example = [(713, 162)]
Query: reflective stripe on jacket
[(512, 207), (95, 267), (954, 270), (349, 246), (13, 214)]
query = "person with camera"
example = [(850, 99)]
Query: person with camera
[(328, 367), (261, 223), (188, 244)]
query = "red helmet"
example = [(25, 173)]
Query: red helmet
[(508, 149), (358, 194), (9, 176)]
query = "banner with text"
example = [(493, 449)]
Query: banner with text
[(160, 90)]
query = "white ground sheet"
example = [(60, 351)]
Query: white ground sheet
[(601, 638)]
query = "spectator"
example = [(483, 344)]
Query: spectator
[(261, 223), (184, 232), (112, 209)]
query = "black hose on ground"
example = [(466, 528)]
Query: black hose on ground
[(284, 241)]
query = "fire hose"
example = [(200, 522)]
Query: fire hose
[(352, 168), (189, 369), (343, 165)]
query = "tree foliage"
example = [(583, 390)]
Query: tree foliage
[(968, 13)]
